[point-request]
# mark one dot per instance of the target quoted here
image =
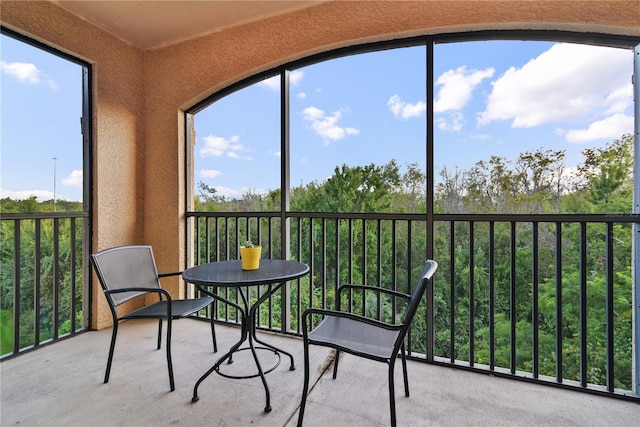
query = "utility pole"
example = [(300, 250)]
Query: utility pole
[(54, 182)]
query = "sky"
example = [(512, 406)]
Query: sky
[(490, 98), (40, 111)]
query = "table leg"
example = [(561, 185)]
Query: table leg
[(229, 355), (253, 335), (226, 356), (251, 327)]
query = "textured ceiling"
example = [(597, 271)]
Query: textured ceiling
[(151, 23)]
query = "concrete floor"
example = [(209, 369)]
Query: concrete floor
[(61, 385)]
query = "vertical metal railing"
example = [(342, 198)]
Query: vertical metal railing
[(559, 295), (513, 295), (42, 277)]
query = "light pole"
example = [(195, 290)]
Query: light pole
[(54, 182)]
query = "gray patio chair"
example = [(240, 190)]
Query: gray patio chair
[(363, 336), (127, 272)]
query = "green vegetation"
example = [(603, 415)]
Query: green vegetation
[(6, 331), (391, 252), (358, 251), (31, 205), (38, 289)]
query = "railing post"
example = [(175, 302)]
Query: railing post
[(635, 249), (16, 287), (285, 184), (430, 196)]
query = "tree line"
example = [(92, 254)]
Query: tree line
[(535, 182), (38, 290)]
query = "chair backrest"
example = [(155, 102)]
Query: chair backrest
[(125, 267), (428, 271)]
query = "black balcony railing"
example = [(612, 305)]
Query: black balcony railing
[(545, 298), (42, 279)]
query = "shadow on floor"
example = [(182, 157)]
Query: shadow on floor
[(61, 385)]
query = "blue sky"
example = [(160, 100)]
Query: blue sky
[(491, 98), (41, 106)]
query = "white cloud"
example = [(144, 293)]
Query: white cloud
[(253, 190), (273, 83), (404, 110), (26, 73), (327, 126), (301, 95), (22, 71), (210, 173), (452, 123), (41, 195), (228, 192), (456, 87), (571, 177), (296, 77), (619, 99), (74, 179), (566, 83), (219, 146), (454, 94), (232, 193), (610, 127), (312, 113)]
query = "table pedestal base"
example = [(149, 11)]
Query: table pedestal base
[(248, 333), (246, 377)]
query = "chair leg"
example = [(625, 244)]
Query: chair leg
[(159, 333), (404, 371), (335, 364), (171, 383), (392, 396), (114, 333), (305, 390)]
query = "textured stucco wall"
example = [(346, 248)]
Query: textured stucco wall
[(206, 64), (118, 133), (139, 96), (213, 62)]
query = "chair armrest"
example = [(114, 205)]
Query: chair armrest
[(160, 291), (373, 289), (376, 289), (346, 315)]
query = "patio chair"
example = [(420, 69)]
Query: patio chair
[(363, 336), (127, 272)]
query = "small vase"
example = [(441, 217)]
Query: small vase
[(250, 257)]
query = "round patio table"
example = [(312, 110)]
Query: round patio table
[(229, 274)]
